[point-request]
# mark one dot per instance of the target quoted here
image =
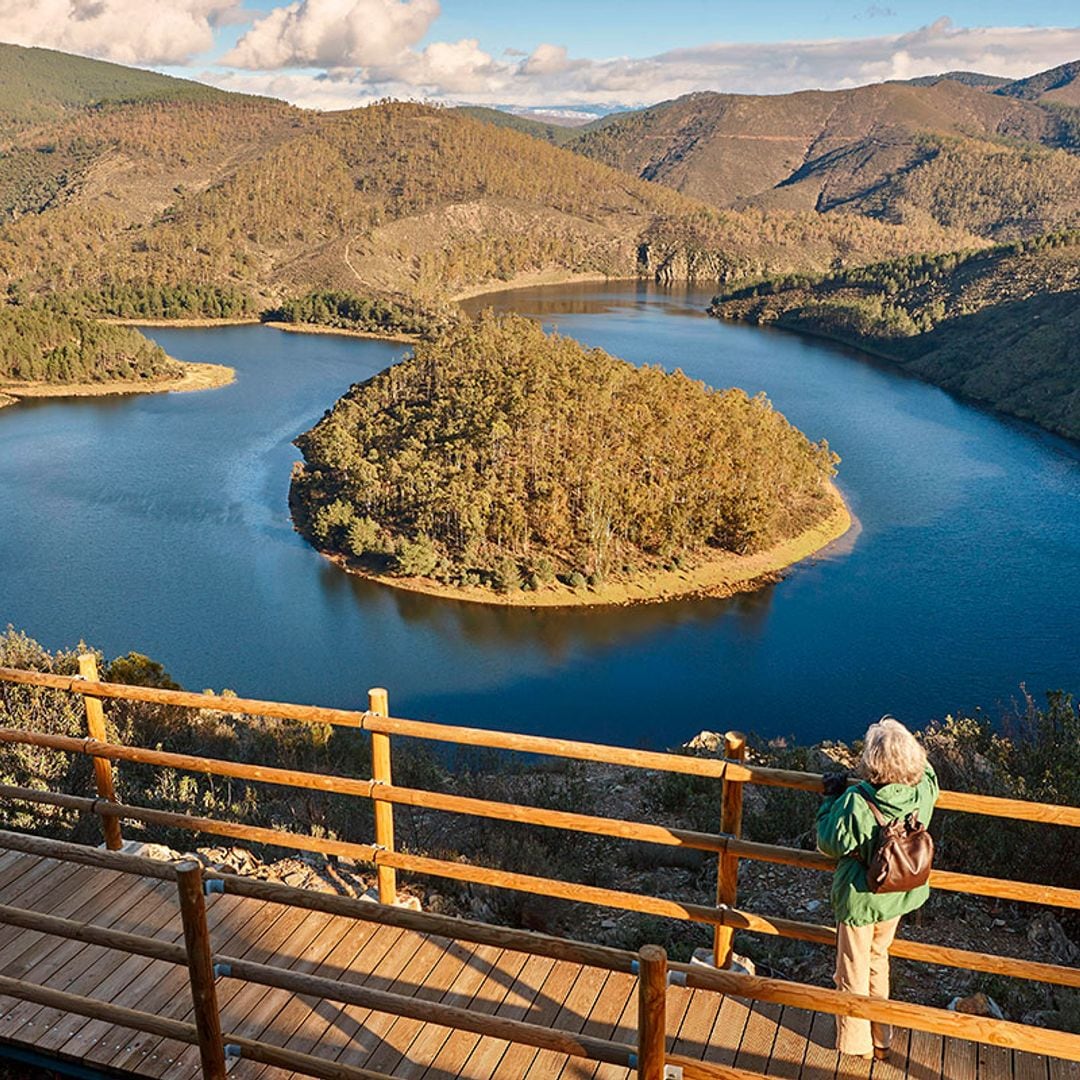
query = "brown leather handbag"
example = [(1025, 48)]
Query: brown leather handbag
[(903, 853)]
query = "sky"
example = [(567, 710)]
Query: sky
[(336, 54)]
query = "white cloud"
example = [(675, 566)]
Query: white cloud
[(387, 61), (334, 33), (121, 30)]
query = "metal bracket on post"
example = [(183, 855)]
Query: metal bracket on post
[(673, 1072), (232, 1050), (676, 978), (213, 885), (222, 971)]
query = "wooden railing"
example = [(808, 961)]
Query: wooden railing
[(731, 773)]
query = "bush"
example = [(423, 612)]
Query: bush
[(417, 558)]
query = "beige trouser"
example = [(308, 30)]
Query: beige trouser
[(862, 967)]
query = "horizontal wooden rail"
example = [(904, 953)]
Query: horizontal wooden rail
[(692, 1069), (192, 823), (982, 1029), (309, 714), (562, 1042), (1017, 809), (530, 941), (264, 1053), (951, 881), (943, 955)]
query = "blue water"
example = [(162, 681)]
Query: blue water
[(159, 524)]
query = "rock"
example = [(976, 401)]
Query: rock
[(711, 741), (813, 905), (1047, 935), (410, 903), (979, 1004), (608, 924), (741, 964)]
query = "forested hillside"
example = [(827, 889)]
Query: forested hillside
[(966, 151), (499, 456), (224, 195), (43, 346), (1000, 326)]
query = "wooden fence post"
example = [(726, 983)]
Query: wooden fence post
[(95, 726), (378, 704), (652, 1012), (727, 870), (189, 883)]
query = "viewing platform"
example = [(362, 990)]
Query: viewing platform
[(136, 966)]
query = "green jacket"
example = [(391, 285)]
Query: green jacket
[(845, 830)]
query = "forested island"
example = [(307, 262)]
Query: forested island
[(501, 463), (44, 353)]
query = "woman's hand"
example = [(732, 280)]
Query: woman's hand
[(834, 783)]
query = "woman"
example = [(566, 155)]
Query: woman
[(898, 778)]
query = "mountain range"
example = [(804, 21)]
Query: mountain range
[(125, 191)]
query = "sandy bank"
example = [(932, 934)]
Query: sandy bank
[(314, 328), (533, 280), (195, 377), (247, 320), (722, 577)]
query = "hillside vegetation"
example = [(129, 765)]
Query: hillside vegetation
[(501, 456), (1000, 326), (963, 151), (223, 194), (43, 346)]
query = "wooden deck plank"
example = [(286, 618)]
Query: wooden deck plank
[(66, 962), (408, 980), (487, 1052), (961, 1060), (547, 1004), (138, 982), (620, 990), (405, 1031), (348, 1023), (496, 982), (1064, 1070), (263, 939), (1030, 1066), (624, 1031), (343, 939), (570, 1017), (821, 1057), (781, 1042), (755, 1049), (327, 1038), (926, 1053), (995, 1063), (253, 1010), (789, 1049)]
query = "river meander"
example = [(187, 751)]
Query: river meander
[(159, 523)]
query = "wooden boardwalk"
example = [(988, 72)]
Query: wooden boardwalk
[(773, 1040)]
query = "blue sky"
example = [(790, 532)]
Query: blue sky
[(340, 53)]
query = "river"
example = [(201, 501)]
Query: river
[(159, 524)]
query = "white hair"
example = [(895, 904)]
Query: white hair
[(892, 755)]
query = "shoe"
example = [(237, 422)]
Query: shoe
[(881, 1053)]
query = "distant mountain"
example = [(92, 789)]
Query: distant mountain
[(1058, 86), (882, 150), (222, 202)]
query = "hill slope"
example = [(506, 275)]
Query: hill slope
[(41, 84), (248, 200), (1001, 327), (855, 150)]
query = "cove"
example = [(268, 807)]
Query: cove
[(160, 524)]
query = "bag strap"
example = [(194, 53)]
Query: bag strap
[(879, 817)]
